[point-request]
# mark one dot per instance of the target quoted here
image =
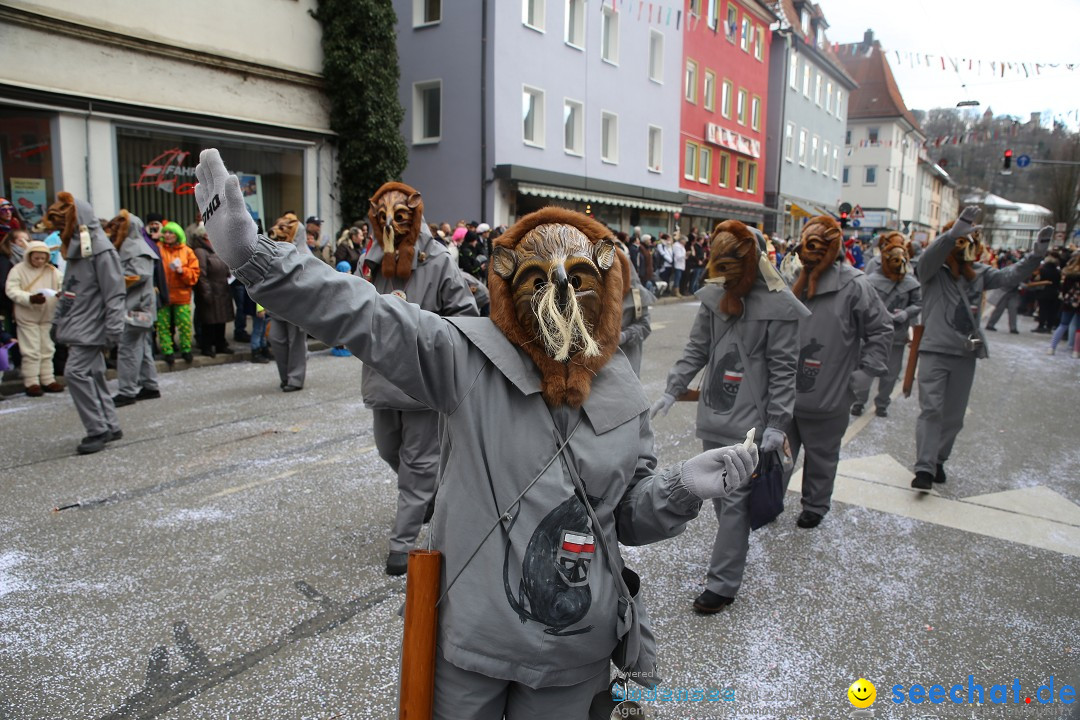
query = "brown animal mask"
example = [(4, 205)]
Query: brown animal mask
[(894, 256), (733, 263), (285, 229), (819, 246), (556, 293), (966, 251), (62, 217), (117, 228), (396, 214)]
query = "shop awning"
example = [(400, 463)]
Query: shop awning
[(721, 207), (806, 210), (590, 196)]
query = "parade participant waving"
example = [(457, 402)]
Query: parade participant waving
[(545, 441), (135, 368)]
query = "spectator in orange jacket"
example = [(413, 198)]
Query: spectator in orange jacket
[(181, 275)]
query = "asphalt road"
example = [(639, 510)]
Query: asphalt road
[(225, 558)]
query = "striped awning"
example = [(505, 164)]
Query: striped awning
[(589, 196)]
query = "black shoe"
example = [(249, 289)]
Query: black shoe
[(290, 388), (1014, 332), (147, 394), (224, 349), (208, 352), (124, 400), (93, 443), (991, 328), (397, 563), (257, 356), (709, 602), (809, 519), (940, 477), (188, 358), (856, 409), (169, 359), (241, 337), (115, 435), (922, 480), (882, 412)]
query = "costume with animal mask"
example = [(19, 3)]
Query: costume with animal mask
[(636, 326), (288, 341), (90, 314), (952, 287), (746, 337), (899, 291), (543, 367), (136, 370), (848, 329)]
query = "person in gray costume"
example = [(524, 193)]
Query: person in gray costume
[(636, 326), (288, 341), (953, 284), (408, 263), (90, 315), (136, 371), (899, 290), (546, 461), (848, 329), (746, 335)]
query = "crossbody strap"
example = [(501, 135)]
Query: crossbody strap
[(750, 379)]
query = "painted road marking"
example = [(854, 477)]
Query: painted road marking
[(289, 473)]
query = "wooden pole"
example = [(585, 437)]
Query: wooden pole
[(418, 644), (913, 358)]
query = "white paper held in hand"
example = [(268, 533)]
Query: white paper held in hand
[(749, 441)]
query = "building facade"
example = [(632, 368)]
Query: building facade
[(808, 101), (117, 112)]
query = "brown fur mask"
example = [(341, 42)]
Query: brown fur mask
[(819, 246), (556, 284), (966, 251), (396, 213), (733, 257), (285, 229), (62, 217), (117, 228), (894, 256)]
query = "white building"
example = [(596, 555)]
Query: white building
[(1008, 224)]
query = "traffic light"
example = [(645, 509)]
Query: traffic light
[(1008, 159), (843, 219)]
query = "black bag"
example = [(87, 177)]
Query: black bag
[(767, 490)]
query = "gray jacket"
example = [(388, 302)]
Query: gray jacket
[(848, 329), (537, 604), (769, 333), (91, 308), (905, 295), (947, 300), (435, 285), (635, 322), (136, 258)]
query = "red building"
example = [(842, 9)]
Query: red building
[(722, 125)]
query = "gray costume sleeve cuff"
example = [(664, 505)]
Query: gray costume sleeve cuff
[(680, 497), (266, 250)]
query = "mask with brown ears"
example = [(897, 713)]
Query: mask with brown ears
[(62, 216), (965, 253), (117, 229), (819, 246), (733, 263), (894, 256), (556, 286), (396, 214), (286, 228)]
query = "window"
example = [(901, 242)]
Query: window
[(847, 137), (871, 175), (803, 137), (426, 12), (835, 162), (740, 174), (691, 81), (574, 127), (845, 180), (575, 23), (825, 158), (751, 177), (656, 56), (656, 148), (828, 97), (532, 14), (805, 21), (704, 167), (814, 153), (839, 104), (690, 161), (609, 137), (732, 26), (755, 113), (789, 142), (695, 7), (427, 111), (873, 135), (609, 36), (740, 107), (713, 14), (710, 90), (806, 79), (724, 169), (747, 33), (793, 72), (532, 116), (819, 90), (759, 45), (725, 99)]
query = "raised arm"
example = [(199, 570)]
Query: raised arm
[(1019, 272), (933, 257)]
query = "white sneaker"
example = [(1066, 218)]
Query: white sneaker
[(1049, 351)]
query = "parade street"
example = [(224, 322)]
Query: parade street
[(225, 558)]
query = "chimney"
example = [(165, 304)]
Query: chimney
[(1036, 118), (868, 38)]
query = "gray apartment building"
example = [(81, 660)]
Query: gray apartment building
[(514, 105), (808, 102)]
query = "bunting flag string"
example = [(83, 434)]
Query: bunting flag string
[(950, 63)]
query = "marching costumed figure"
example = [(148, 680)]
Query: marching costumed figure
[(746, 335), (848, 329), (288, 341), (636, 326), (898, 289), (546, 459), (953, 284)]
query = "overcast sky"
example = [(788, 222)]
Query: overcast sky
[(1025, 31)]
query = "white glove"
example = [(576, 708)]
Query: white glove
[(223, 209), (718, 473), (772, 440), (1042, 242), (965, 224), (661, 406), (175, 265), (900, 317)]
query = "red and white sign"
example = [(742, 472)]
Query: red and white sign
[(732, 140), (857, 213)]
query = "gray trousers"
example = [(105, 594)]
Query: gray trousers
[(409, 442), (1010, 301), (135, 367), (728, 560), (289, 345), (944, 387), (861, 382), (464, 694), (821, 438), (85, 375)]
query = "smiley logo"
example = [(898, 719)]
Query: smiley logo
[(862, 693)]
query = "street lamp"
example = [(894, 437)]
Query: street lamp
[(968, 103)]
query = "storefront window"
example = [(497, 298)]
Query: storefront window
[(26, 162), (157, 174)]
